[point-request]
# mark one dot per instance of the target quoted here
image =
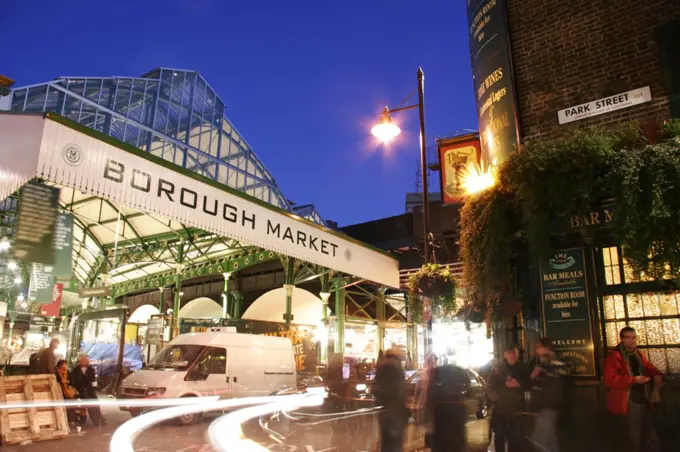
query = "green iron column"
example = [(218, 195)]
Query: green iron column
[(289, 286), (178, 289), (340, 319), (380, 314), (160, 301), (225, 295), (322, 333), (11, 302), (238, 305)]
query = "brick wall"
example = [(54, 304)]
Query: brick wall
[(567, 52)]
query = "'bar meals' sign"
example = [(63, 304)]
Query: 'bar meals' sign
[(604, 105)]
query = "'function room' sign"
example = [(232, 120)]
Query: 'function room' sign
[(605, 105), (566, 310)]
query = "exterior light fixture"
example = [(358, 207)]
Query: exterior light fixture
[(4, 245), (12, 265), (386, 130), (17, 280)]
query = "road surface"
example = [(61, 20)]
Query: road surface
[(172, 438)]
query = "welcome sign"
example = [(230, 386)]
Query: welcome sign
[(75, 159)]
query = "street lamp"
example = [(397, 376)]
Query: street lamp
[(386, 131)]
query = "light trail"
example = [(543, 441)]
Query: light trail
[(124, 437), (135, 403), (226, 435)]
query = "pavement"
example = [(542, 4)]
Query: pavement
[(358, 435)]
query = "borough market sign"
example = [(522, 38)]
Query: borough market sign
[(65, 153)]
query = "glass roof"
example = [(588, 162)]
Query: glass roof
[(173, 114)]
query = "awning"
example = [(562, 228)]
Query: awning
[(72, 156)]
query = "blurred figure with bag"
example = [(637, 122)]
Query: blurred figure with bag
[(390, 394), (548, 377), (507, 383)]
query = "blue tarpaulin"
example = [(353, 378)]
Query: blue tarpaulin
[(104, 356)]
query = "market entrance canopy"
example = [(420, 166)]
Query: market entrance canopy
[(65, 153)]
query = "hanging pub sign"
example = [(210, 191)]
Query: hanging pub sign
[(566, 309), (456, 155), (34, 239), (493, 79), (41, 286)]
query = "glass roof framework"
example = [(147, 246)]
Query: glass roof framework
[(172, 114)]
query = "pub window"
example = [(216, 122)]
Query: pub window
[(654, 315), (668, 40), (612, 274)]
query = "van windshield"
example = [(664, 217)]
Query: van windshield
[(176, 357)]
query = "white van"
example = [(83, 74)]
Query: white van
[(216, 363)]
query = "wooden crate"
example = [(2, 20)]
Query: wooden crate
[(31, 424)]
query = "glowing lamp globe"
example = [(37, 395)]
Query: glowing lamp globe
[(386, 130)]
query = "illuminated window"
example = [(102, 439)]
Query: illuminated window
[(654, 315)]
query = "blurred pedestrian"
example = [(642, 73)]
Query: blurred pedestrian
[(74, 415), (390, 394), (548, 378), (82, 379), (337, 395), (45, 359), (630, 396), (448, 413), (421, 390), (507, 383)]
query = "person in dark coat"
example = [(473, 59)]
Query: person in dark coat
[(82, 379), (446, 404), (390, 394), (507, 383), (549, 383)]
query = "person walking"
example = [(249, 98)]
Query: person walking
[(45, 359), (447, 409), (390, 394), (507, 383), (548, 378), (82, 377), (630, 396)]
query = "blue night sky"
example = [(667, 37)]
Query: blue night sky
[(303, 81)]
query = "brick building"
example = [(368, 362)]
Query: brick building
[(566, 53)]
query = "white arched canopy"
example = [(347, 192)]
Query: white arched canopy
[(201, 308), (143, 313), (271, 307)]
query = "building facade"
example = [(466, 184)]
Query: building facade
[(577, 64), (566, 54)]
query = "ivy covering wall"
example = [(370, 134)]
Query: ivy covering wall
[(549, 181)]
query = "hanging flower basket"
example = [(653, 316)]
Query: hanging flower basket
[(435, 282)]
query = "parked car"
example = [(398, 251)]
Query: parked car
[(475, 394)]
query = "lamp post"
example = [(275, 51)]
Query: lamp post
[(386, 131)]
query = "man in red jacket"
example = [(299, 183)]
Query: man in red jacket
[(627, 376)]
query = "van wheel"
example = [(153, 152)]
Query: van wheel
[(188, 419)]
